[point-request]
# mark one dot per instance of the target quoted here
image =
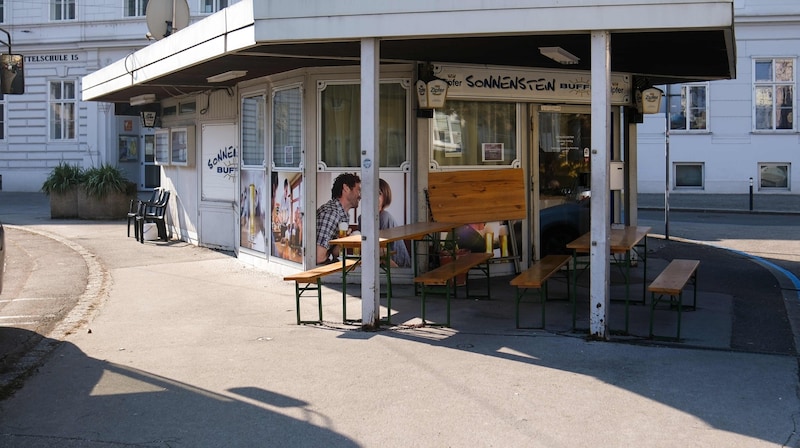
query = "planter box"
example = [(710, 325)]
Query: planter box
[(111, 206), (64, 205)]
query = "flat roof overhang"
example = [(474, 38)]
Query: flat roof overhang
[(658, 42)]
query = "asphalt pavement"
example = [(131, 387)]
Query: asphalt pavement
[(169, 344)]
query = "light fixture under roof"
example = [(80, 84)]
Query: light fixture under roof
[(227, 76), (140, 100), (560, 55)]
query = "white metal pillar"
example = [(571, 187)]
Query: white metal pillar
[(599, 256), (370, 253)]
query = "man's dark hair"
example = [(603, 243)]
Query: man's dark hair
[(343, 179)]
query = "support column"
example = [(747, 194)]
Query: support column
[(599, 256), (370, 252)]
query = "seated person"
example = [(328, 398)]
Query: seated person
[(345, 195), (400, 255)]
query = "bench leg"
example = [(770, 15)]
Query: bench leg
[(542, 300), (447, 296), (387, 269), (484, 268), (672, 301), (300, 290)]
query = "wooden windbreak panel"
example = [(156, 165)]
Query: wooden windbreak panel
[(477, 196)]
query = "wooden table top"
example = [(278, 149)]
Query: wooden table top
[(620, 239), (415, 231)]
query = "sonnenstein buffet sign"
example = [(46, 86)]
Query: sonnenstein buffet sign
[(559, 86)]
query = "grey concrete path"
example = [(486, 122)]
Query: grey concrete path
[(178, 346)]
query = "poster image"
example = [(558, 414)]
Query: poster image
[(492, 152), (128, 151), (287, 216), (252, 216), (392, 191)]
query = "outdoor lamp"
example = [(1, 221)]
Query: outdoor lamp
[(431, 91), (650, 100)]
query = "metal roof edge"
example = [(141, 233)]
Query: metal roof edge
[(233, 24)]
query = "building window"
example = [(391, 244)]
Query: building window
[(211, 6), (688, 175), (340, 125), (774, 94), (287, 128), (253, 130), (474, 133), (62, 110), (773, 176), (187, 108), (62, 9), (688, 107), (134, 8)]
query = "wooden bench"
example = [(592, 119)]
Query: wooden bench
[(536, 276), (669, 285), (311, 280), (445, 275)]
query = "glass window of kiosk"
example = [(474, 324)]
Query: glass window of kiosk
[(340, 125), (474, 133)]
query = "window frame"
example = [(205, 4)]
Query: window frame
[(677, 165), (462, 151), (51, 102), (762, 165), (774, 84), (404, 165), (63, 10), (260, 131), (686, 94), (215, 5), (139, 7), (291, 161)]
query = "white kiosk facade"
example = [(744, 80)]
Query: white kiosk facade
[(290, 96)]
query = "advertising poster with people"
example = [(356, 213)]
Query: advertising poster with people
[(287, 216), (392, 204)]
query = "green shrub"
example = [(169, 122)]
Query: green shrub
[(100, 181), (63, 178)]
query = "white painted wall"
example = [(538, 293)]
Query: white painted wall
[(731, 150), (63, 50)]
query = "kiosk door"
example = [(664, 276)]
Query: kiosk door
[(560, 165)]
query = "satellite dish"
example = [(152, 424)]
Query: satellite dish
[(164, 17)]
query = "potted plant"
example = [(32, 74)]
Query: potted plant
[(61, 185), (105, 193)]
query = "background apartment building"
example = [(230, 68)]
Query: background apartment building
[(722, 134), (63, 40)]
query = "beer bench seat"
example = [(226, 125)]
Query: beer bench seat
[(311, 280), (536, 276), (445, 275), (669, 286)]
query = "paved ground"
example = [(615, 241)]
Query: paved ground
[(173, 345)]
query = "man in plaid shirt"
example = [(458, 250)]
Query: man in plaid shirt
[(346, 193)]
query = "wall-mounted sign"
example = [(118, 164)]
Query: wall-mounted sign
[(560, 86), (12, 80)]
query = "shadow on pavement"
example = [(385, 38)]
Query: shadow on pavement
[(122, 406)]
